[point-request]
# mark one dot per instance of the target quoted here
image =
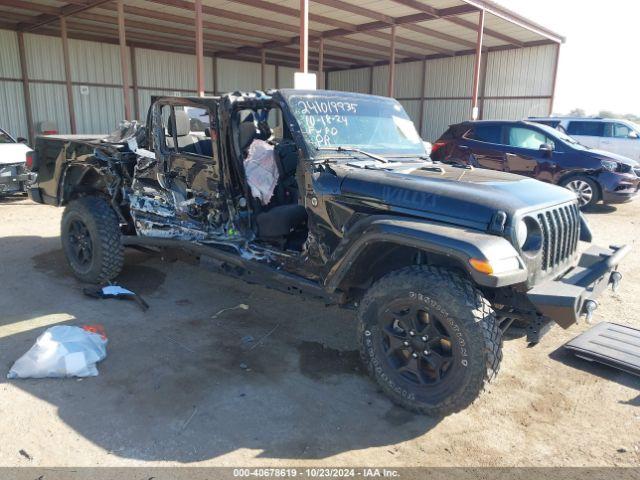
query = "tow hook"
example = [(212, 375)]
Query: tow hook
[(590, 306), (614, 280)]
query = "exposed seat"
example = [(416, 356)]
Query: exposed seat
[(280, 221), (186, 141), (247, 131), (287, 160)]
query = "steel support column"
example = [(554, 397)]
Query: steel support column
[(423, 84), (304, 36), (475, 111), (124, 63), (134, 83), (392, 63), (371, 71), (214, 61), (263, 69), (321, 64), (25, 88), (555, 80), (199, 49), (67, 74)]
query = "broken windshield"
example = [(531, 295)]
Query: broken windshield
[(377, 125)]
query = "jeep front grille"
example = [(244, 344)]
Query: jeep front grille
[(560, 235)]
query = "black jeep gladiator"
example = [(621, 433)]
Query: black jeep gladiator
[(331, 194)]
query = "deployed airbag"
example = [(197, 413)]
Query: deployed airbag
[(261, 170)]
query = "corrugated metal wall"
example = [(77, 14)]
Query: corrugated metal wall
[(12, 114), (96, 81), (518, 84)]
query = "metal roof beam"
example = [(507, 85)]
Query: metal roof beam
[(487, 31), (278, 41), (64, 11), (33, 7), (512, 17), (356, 9), (293, 12), (171, 18), (436, 34), (452, 16)]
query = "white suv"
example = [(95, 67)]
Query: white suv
[(615, 136)]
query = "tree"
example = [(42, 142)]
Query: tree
[(607, 114), (577, 112)]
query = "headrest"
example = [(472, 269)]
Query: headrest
[(183, 124), (247, 132)]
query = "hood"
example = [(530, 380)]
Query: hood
[(13, 153), (603, 155), (462, 196)]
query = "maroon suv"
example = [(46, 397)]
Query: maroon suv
[(541, 152)]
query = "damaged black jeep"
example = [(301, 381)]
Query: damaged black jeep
[(331, 194)]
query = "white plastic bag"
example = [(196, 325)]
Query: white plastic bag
[(261, 170), (63, 351)]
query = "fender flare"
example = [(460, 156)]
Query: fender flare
[(84, 168), (457, 243)]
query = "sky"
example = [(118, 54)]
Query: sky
[(600, 62)]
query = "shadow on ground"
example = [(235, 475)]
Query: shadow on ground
[(605, 372), (600, 208), (183, 382)]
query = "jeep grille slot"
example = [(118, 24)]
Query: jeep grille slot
[(560, 234)]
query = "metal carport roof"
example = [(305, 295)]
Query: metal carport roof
[(323, 35), (353, 33)]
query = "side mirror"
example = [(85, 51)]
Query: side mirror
[(21, 140), (634, 135), (546, 149)]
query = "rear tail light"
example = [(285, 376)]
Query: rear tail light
[(437, 146), (50, 132), (30, 160)]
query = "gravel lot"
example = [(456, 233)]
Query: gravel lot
[(173, 389)]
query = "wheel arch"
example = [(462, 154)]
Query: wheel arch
[(569, 176), (379, 258), (377, 246), (82, 179)]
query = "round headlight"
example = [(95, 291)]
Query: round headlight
[(529, 236), (522, 232)]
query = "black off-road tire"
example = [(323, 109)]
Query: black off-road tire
[(103, 229), (475, 339)]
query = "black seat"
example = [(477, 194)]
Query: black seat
[(286, 154), (280, 221)]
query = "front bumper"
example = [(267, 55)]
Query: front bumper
[(618, 187), (565, 299), (13, 179)]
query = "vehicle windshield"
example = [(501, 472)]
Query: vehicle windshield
[(560, 135), (375, 125), (5, 137), (634, 126)]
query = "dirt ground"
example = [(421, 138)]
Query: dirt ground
[(280, 383)]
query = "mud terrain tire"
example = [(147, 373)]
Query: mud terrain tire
[(91, 240), (444, 320)]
